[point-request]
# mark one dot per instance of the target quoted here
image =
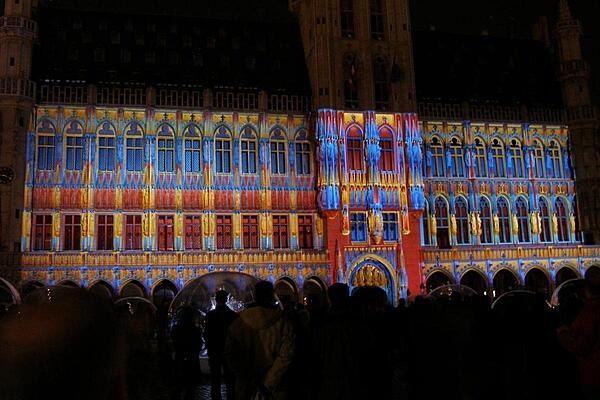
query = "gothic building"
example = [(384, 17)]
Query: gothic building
[(148, 150)]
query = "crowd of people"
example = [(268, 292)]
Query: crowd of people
[(351, 346)]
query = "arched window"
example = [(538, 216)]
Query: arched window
[(74, 146), (499, 158), (386, 144), (562, 220), (515, 159), (106, 147), (441, 219), (458, 162), (377, 26), (480, 159), (522, 212), (350, 82), (546, 232), (485, 214), (302, 154), (223, 150), (278, 153), (556, 160), (134, 148), (45, 145), (538, 157), (504, 220), (354, 150), (166, 149), (380, 84), (248, 147), (193, 149), (462, 221), (425, 233), (438, 168), (347, 18)]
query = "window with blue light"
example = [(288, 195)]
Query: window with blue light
[(438, 168), (358, 227), (45, 153), (193, 154), (390, 226), (480, 160), (248, 156), (106, 153), (74, 154), (223, 155), (166, 153), (278, 159), (135, 149), (302, 159)]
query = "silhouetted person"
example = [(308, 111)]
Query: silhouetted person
[(61, 343), (582, 336), (187, 343), (216, 326), (260, 347)]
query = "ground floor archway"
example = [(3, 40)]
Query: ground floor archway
[(504, 281)]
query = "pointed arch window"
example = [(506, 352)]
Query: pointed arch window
[(462, 221), (562, 220), (515, 160), (354, 150), (106, 147), (425, 232), (556, 160), (377, 26), (249, 148), (74, 146), (480, 159), (350, 82), (485, 214), (386, 144), (538, 157), (380, 84), (193, 149), (546, 232), (522, 212), (441, 219), (166, 149), (438, 168), (458, 162), (347, 18), (223, 151), (278, 153), (499, 158), (504, 220)]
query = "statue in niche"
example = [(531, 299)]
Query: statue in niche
[(496, 222)]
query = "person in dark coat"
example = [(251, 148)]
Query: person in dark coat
[(216, 325), (187, 339)]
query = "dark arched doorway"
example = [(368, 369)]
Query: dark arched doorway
[(102, 289), (564, 274), (436, 280), (286, 291), (314, 293), (475, 281), (133, 289), (537, 281), (504, 281)]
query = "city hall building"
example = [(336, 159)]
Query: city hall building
[(149, 148)]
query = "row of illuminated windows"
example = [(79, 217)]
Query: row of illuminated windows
[(495, 160), (193, 157), (359, 232), (165, 237), (506, 221)]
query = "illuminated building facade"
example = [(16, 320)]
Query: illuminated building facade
[(159, 169)]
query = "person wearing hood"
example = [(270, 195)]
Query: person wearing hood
[(260, 347)]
